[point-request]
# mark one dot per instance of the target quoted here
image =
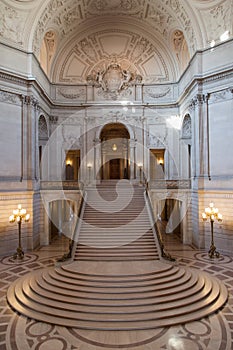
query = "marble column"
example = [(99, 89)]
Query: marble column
[(132, 159), (97, 159)]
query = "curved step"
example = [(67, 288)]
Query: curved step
[(196, 296), (194, 285), (153, 295)]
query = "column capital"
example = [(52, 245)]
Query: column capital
[(30, 100)]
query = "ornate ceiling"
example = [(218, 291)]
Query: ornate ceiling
[(152, 38)]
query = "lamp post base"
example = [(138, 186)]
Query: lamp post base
[(212, 252), (19, 254)]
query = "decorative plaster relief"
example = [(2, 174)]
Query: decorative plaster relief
[(114, 116), (9, 97), (165, 15), (30, 100), (72, 93), (11, 23), (50, 39), (87, 48), (186, 127), (71, 135), (67, 15), (119, 6), (220, 96), (114, 82), (157, 136), (91, 58), (43, 128), (157, 92), (160, 19), (114, 95), (218, 19), (156, 141), (53, 119)]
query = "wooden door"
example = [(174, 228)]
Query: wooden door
[(115, 168)]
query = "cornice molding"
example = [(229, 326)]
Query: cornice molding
[(32, 82)]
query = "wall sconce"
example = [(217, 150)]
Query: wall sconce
[(212, 214), (19, 215), (160, 161), (69, 162), (114, 147)]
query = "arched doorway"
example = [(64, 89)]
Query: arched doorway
[(114, 152)]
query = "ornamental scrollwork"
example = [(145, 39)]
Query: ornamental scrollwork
[(114, 79)]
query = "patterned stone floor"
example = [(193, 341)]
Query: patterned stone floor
[(213, 333)]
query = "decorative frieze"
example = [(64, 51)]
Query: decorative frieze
[(122, 7), (30, 100), (9, 97), (220, 96), (53, 119), (156, 141), (72, 93), (157, 92), (170, 184)]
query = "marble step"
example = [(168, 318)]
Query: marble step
[(156, 305), (31, 296), (135, 290)]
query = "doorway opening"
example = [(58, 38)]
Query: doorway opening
[(157, 168), (62, 218), (114, 152), (171, 222), (72, 165)]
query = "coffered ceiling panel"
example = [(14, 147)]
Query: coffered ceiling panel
[(113, 44), (96, 51)]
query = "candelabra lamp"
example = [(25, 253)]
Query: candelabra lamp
[(212, 214), (19, 215)]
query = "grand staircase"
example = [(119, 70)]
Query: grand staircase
[(116, 280), (116, 225)]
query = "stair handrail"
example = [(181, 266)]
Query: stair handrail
[(156, 228), (68, 255)]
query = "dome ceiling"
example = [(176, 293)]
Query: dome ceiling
[(153, 38)]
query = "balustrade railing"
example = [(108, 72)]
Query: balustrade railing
[(57, 185), (157, 230), (170, 184), (72, 240)]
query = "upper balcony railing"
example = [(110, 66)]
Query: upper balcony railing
[(61, 185), (170, 184)]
